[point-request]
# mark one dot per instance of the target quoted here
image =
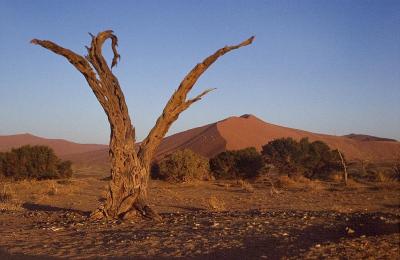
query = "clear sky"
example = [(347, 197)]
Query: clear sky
[(322, 66)]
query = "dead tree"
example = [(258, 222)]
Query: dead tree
[(344, 167), (130, 167)]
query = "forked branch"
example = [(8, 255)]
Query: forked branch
[(178, 102), (79, 62), (97, 72)]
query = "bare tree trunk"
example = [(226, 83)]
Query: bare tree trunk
[(130, 169), (344, 167)]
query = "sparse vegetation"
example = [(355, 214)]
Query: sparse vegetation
[(375, 171), (246, 186), (299, 182), (33, 162), (7, 199), (310, 159), (240, 164), (215, 204), (5, 195), (396, 171), (182, 166)]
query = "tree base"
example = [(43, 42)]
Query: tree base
[(137, 212)]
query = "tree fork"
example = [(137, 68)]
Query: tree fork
[(130, 169)]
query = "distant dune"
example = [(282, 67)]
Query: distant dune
[(228, 134), (61, 147), (367, 138)]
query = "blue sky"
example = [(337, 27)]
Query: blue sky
[(322, 66)]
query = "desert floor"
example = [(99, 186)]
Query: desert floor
[(204, 220)]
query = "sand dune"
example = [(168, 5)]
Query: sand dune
[(249, 131), (61, 147), (228, 134)]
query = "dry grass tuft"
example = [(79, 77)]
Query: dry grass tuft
[(385, 177), (10, 206), (213, 203), (246, 186), (299, 183), (285, 181), (7, 201), (336, 177), (5, 195), (43, 191), (351, 183), (52, 189)]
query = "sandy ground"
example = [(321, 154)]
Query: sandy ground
[(204, 220)]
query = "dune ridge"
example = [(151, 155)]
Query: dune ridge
[(60, 146), (231, 133)]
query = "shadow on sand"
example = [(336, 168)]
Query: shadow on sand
[(277, 248), (48, 208), (255, 246), (4, 255)]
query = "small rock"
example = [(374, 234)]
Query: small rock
[(349, 230), (56, 228)]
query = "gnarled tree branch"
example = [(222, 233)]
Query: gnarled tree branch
[(102, 81), (127, 192), (82, 65), (178, 102)]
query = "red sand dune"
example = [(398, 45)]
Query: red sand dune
[(249, 130), (61, 147), (229, 134), (239, 132)]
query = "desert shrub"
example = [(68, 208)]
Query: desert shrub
[(182, 166), (33, 162), (382, 175), (310, 159), (282, 154), (155, 170), (239, 164), (374, 171), (223, 165), (299, 182), (5, 196), (246, 186), (64, 169)]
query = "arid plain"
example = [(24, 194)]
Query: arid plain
[(271, 216)]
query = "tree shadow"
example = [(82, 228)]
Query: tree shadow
[(187, 208), (277, 248), (7, 256), (40, 207)]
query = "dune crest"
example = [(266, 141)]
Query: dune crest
[(231, 133), (60, 146)]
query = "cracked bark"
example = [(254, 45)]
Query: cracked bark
[(130, 169)]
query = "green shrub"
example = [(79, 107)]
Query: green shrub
[(281, 153), (239, 164), (182, 166), (33, 162), (313, 160), (223, 165), (64, 169)]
